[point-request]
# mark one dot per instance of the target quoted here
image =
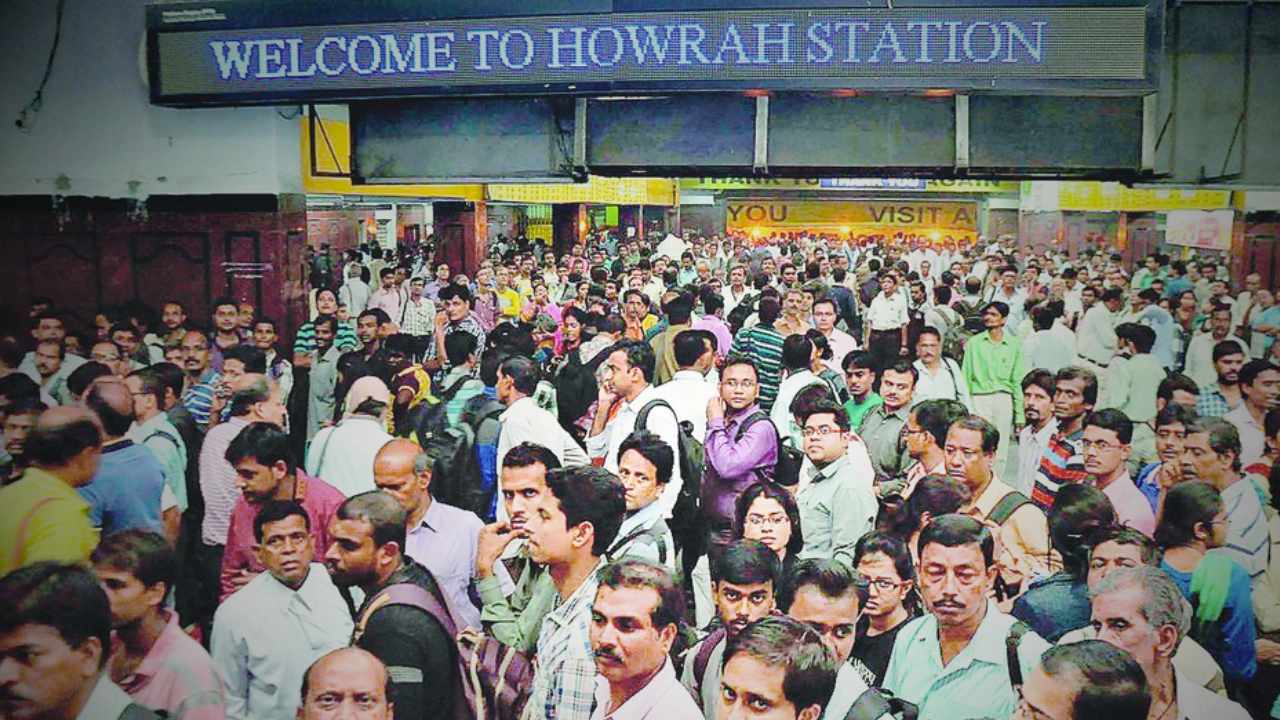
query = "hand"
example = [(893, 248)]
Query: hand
[(491, 543), (606, 398), (715, 408), (1170, 474), (1268, 651), (442, 320)]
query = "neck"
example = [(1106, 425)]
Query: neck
[(884, 623), (107, 442), (570, 575), (932, 457), (1102, 482), (76, 703), (140, 636), (954, 638), (146, 415), (981, 487), (1042, 423), (1163, 691), (415, 518), (381, 576), (635, 393), (1259, 414), (287, 487), (1071, 426), (624, 690), (996, 333)]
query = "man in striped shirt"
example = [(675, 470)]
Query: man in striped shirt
[(1063, 460), (202, 381), (1212, 453), (763, 344)]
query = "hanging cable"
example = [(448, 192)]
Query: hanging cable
[(27, 116)]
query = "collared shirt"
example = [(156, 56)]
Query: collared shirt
[(321, 501), (44, 518), (1032, 444), (992, 367), (418, 318), (343, 455), (945, 383), (266, 635), (781, 415), (1132, 508), (660, 422), (644, 534), (882, 432), (974, 684), (469, 324), (837, 507), (1016, 302), (106, 702), (198, 399), (1049, 350), (732, 462), (689, 392), (1199, 360), (662, 698), (1248, 535), (1024, 534), (515, 618), (1061, 463), (1195, 702), (523, 421), (218, 481), (886, 313), (386, 300), (178, 677), (842, 343), (564, 684), (160, 437), (321, 401), (1212, 403), (445, 543), (1096, 336), (1131, 386), (849, 688), (355, 294), (125, 492), (1253, 439)]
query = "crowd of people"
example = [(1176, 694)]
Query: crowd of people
[(786, 477)]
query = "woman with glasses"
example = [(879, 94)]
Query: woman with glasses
[(885, 563), (767, 512), (1194, 522)]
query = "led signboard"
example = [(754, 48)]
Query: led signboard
[(994, 48)]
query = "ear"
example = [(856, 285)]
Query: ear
[(1166, 641), (386, 551), (813, 712), (279, 470), (583, 535), (155, 594), (89, 656), (667, 636)]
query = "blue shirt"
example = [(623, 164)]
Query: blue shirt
[(1162, 323), (1270, 316), (1231, 639), (125, 493), (1177, 286), (1054, 606), (198, 399)]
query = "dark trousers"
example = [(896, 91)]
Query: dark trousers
[(884, 346), (208, 572)]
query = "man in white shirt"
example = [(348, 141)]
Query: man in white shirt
[(1199, 360), (825, 314), (737, 290), (268, 632), (354, 293), (1096, 337), (628, 374), (885, 322), (342, 455), (1038, 388), (940, 378), (1260, 393), (688, 390)]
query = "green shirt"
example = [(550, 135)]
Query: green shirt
[(995, 367), (516, 620), (858, 410)]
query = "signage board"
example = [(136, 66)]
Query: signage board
[(876, 184), (959, 218), (1201, 229), (199, 53)]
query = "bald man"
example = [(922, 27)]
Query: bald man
[(346, 683), (44, 518), (127, 490), (441, 537)]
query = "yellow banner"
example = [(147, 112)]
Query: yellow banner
[(1114, 197), (852, 184), (597, 191), (866, 217)]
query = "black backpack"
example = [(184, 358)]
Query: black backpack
[(740, 312), (787, 471), (684, 524), (456, 477)]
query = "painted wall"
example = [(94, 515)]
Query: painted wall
[(98, 135)]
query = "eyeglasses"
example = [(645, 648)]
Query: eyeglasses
[(774, 520), (884, 584), (820, 432), (1099, 445), (739, 384)]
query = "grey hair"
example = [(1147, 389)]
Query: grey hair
[(422, 462), (1162, 602)]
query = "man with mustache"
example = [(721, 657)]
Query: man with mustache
[(644, 466), (744, 576), (634, 621), (953, 661), (1219, 398)]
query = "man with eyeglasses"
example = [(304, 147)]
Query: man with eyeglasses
[(1106, 445), (837, 503)]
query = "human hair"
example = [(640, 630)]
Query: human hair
[(639, 355), (1271, 423), (379, 315), (64, 597), (454, 290), (329, 320), (653, 449), (1086, 375), (523, 372), (640, 574), (1226, 348), (458, 346), (275, 511), (1252, 369), (1174, 383), (82, 377), (1223, 437), (1111, 683), (827, 406), (114, 422), (957, 530), (859, 359), (527, 454), (679, 308), (244, 398), (151, 383), (808, 665), (779, 494), (797, 351), (745, 562), (144, 554), (253, 359), (384, 514), (902, 366), (1124, 535), (1162, 602), (768, 309), (19, 386), (224, 301), (833, 578), (590, 494), (1042, 379), (934, 494), (55, 445), (1142, 337), (264, 442), (1078, 511), (929, 330), (1186, 505), (891, 547), (170, 376), (977, 423), (936, 416), (689, 346), (1000, 307), (736, 359), (1114, 420)]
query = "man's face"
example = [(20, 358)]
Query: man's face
[(1068, 400), (789, 275), (918, 440), (503, 276), (1220, 323), (48, 360), (523, 489), (965, 459), (835, 619), (1201, 462), (442, 273), (740, 605), (287, 550), (49, 329), (17, 427), (859, 380), (992, 319), (917, 295), (402, 483), (1170, 442), (346, 691), (127, 340), (1104, 454), (737, 277), (551, 540), (258, 482), (264, 336), (1228, 368), (226, 318), (640, 478), (824, 440), (351, 557), (41, 675), (232, 371), (415, 288), (1037, 405), (1109, 556), (1264, 391), (750, 688), (246, 316), (1186, 399), (622, 377), (366, 329), (888, 285), (387, 280), (396, 361), (824, 317), (130, 598), (456, 309), (896, 389), (627, 646), (1088, 297), (739, 387), (794, 304), (955, 582), (1118, 619), (635, 307)]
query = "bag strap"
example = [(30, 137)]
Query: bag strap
[(703, 657), (870, 705), (163, 434), (453, 389), (1011, 643), (407, 594), (1007, 506), (955, 384), (747, 422), (642, 418), (655, 538)]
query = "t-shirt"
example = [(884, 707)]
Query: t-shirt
[(870, 656), (126, 491), (858, 410)]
